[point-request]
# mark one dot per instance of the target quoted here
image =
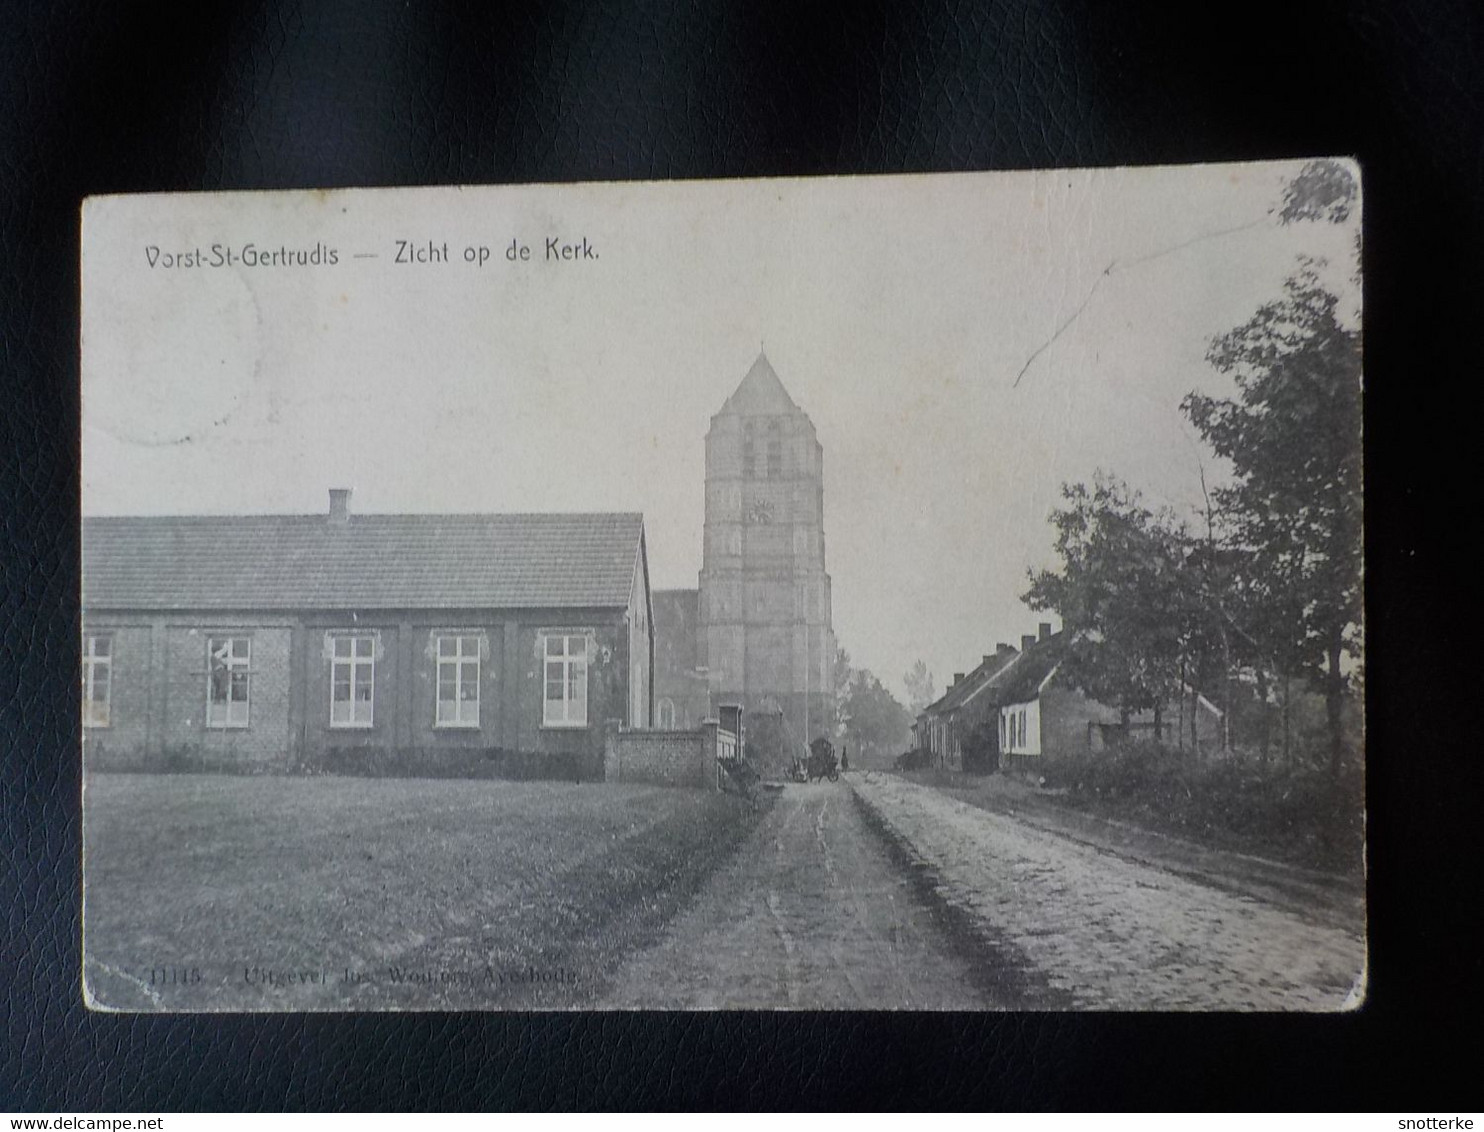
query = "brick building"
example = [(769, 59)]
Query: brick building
[(1043, 715), (757, 631), (682, 687), (364, 642), (1019, 708), (959, 729)]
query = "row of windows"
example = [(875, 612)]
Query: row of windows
[(943, 737), (229, 675)]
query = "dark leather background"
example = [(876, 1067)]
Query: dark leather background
[(133, 96)]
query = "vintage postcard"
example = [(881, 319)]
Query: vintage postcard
[(908, 592)]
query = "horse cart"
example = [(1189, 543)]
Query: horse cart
[(822, 762)]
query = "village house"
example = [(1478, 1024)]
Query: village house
[(1018, 708), (1041, 715), (364, 643), (957, 729)]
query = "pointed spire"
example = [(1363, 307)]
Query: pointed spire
[(760, 391)]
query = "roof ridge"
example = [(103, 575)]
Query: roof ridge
[(395, 560), (322, 516)]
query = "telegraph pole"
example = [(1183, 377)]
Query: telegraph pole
[(801, 605)]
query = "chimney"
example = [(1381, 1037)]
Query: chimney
[(1045, 628), (1002, 647), (957, 678), (986, 658), (339, 504), (1026, 641)]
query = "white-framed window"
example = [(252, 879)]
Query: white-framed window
[(665, 710), (458, 681), (565, 694), (352, 681), (97, 680), (228, 681)]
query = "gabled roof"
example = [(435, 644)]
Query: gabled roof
[(761, 392), (1008, 677), (1023, 682), (937, 706), (982, 681), (362, 562)]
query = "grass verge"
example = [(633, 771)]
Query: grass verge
[(231, 893), (1299, 816)]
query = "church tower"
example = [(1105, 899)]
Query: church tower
[(765, 633)]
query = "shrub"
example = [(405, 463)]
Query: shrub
[(913, 760), (188, 759), (768, 743), (1297, 814), (462, 762)]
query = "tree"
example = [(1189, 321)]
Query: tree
[(1323, 190), (919, 682), (769, 745), (1122, 592), (1293, 510), (876, 724), (843, 672)]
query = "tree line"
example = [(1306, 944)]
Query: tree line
[(1266, 583)]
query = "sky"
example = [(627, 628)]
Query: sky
[(964, 344)]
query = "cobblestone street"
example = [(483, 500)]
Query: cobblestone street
[(1111, 933), (878, 893)]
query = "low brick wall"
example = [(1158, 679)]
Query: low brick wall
[(662, 758)]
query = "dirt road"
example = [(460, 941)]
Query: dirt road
[(812, 912)]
